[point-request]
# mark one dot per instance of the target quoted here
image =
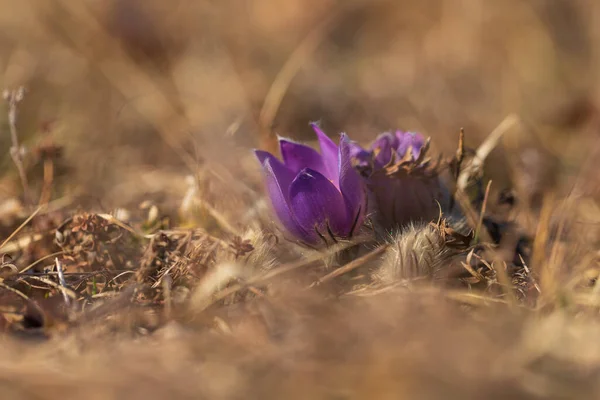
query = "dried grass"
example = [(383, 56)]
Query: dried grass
[(139, 256)]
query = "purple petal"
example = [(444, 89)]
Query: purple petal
[(263, 155), (361, 156), (284, 175), (298, 156), (329, 154), (383, 146), (317, 204), (418, 141), (409, 139), (278, 181), (351, 185)]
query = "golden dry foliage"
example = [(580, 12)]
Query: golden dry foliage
[(144, 263)]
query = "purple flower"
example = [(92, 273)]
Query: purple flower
[(316, 196), (403, 187)]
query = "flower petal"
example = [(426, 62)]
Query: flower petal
[(360, 156), (329, 153), (263, 155), (351, 185), (298, 156), (383, 146), (317, 204), (409, 139), (283, 174), (278, 181)]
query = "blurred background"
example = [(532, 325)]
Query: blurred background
[(126, 99), (139, 92)]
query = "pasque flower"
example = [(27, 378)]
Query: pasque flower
[(317, 197), (403, 184)]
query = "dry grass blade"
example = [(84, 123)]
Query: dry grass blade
[(351, 265), (485, 149), (470, 270), (16, 231), (500, 268), (24, 297), (15, 291), (167, 284), (474, 299), (540, 263), (203, 295), (191, 289), (63, 289), (291, 67), (21, 243), (48, 181), (301, 263), (123, 74), (471, 214), (39, 260), (13, 98), (378, 290), (220, 219), (62, 282), (474, 167), (482, 214), (528, 271), (109, 218)]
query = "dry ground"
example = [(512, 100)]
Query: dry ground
[(138, 120)]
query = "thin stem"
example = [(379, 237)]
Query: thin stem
[(483, 207), (62, 282), (14, 98)]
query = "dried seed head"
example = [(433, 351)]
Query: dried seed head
[(417, 251), (255, 249)]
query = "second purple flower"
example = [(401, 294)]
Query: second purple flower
[(403, 185)]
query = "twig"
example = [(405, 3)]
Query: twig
[(123, 273), (65, 290), (475, 165), (504, 280), (483, 207), (13, 98), (471, 214), (528, 271), (24, 297), (47, 182), (485, 149), (167, 283), (61, 280)]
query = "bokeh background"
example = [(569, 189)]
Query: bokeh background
[(139, 92)]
